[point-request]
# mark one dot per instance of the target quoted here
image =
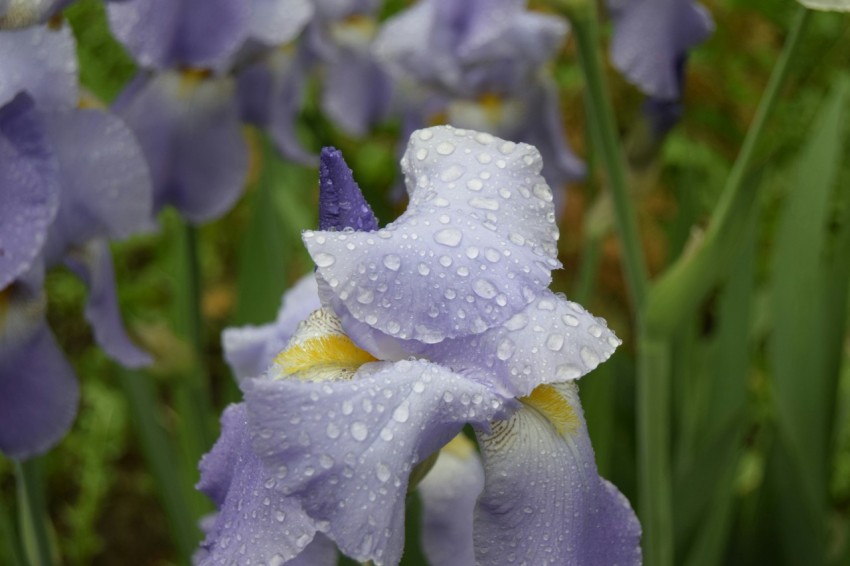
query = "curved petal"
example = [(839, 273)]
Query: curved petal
[(93, 264), (552, 340), (190, 132), (29, 187), (255, 522), (476, 244), (345, 449), (541, 479), (167, 33), (42, 61), (448, 495), (249, 350), (38, 396), (274, 22), (106, 186), (650, 36)]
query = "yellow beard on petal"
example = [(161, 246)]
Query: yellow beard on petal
[(320, 351), (552, 405)]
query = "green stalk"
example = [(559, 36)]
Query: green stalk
[(162, 462), (686, 283), (600, 110), (192, 396), (654, 476), (32, 513)]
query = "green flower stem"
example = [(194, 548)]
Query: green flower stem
[(158, 451), (600, 110), (685, 284), (192, 396), (32, 512), (654, 476)]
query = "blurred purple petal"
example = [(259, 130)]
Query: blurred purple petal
[(475, 246), (275, 22), (543, 499), (356, 92), (170, 33), (345, 447), (192, 138), (650, 36), (341, 204), (448, 494), (271, 93), (249, 350), (41, 61), (38, 396), (106, 186), (29, 187), (93, 264), (256, 523)]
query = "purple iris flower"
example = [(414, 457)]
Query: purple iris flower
[(356, 92), (439, 319), (481, 64), (183, 105), (651, 39), (70, 179)]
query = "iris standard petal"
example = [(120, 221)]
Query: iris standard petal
[(93, 264), (345, 449), (249, 350), (475, 246), (544, 501), (255, 523), (274, 22), (38, 396), (356, 92), (167, 33), (552, 340), (42, 61), (650, 36), (29, 187), (270, 93), (341, 203), (106, 186), (189, 130), (448, 494)]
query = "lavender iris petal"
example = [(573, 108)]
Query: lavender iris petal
[(190, 132), (29, 187), (38, 396)]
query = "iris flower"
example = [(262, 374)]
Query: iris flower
[(183, 104), (439, 319), (481, 64), (70, 179)]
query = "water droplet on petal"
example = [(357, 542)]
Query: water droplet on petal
[(323, 259), (392, 262), (448, 237), (359, 431), (445, 148)]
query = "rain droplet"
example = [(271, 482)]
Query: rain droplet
[(505, 349), (359, 431), (484, 289), (382, 472), (448, 237), (323, 259), (589, 357), (453, 173), (445, 148), (555, 342), (570, 320), (401, 413), (392, 262)]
